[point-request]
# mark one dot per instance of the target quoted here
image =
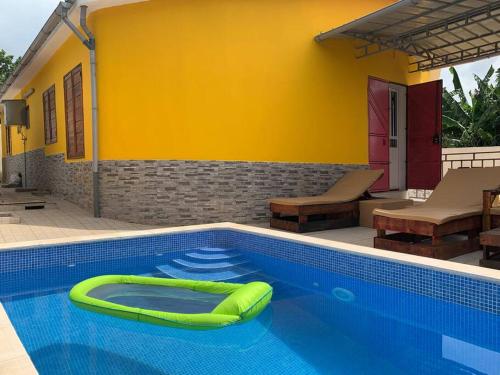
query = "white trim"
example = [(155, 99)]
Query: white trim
[(474, 272), (55, 41), (470, 150)]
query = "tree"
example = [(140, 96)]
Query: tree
[(7, 66), (475, 123)]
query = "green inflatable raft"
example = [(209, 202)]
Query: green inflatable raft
[(176, 303)]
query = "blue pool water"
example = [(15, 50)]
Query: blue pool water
[(319, 322)]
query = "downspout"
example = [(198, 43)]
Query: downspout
[(89, 41)]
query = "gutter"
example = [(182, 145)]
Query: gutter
[(52, 23), (88, 41)]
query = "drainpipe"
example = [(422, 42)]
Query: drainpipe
[(89, 41)]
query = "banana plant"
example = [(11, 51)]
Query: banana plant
[(474, 123)]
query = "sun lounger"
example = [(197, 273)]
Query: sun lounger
[(491, 207), (455, 207), (490, 238), (337, 208)]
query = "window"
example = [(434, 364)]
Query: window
[(8, 141), (394, 114), (27, 117), (49, 115), (73, 100)]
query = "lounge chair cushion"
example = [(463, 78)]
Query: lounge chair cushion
[(430, 214), (458, 195), (464, 187), (349, 188)]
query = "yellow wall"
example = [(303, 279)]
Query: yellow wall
[(65, 59), (224, 80)]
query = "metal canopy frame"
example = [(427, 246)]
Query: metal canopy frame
[(437, 33)]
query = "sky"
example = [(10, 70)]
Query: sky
[(21, 20)]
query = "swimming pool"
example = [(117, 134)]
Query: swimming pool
[(333, 312)]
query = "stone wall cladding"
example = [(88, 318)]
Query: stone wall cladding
[(193, 192), (71, 181), (168, 192), (12, 165)]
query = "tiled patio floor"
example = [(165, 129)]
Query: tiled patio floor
[(59, 219)]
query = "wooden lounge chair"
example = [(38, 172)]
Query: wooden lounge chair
[(455, 207), (491, 209), (490, 238), (337, 208)]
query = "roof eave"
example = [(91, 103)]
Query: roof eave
[(50, 25)]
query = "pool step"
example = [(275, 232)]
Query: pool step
[(233, 273), (213, 249), (212, 256), (209, 266)]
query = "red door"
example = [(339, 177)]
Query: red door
[(378, 130), (424, 135)]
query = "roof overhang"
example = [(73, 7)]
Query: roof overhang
[(437, 33), (52, 36)]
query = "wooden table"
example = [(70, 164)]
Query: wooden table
[(491, 244)]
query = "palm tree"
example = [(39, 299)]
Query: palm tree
[(475, 123)]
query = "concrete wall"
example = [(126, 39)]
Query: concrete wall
[(220, 80)]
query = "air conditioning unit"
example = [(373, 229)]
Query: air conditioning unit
[(15, 113)]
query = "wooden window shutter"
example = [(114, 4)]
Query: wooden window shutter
[(49, 115), (73, 99), (8, 141)]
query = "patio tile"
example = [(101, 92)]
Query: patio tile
[(58, 220), (17, 366), (10, 345)]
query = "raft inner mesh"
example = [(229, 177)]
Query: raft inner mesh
[(159, 298)]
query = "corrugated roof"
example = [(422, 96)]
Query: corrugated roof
[(438, 33)]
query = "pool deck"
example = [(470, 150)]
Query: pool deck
[(14, 360), (59, 219)]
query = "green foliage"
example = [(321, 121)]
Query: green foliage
[(475, 123), (7, 66)]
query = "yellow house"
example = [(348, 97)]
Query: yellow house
[(204, 108)]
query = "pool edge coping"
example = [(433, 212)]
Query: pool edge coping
[(17, 359)]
